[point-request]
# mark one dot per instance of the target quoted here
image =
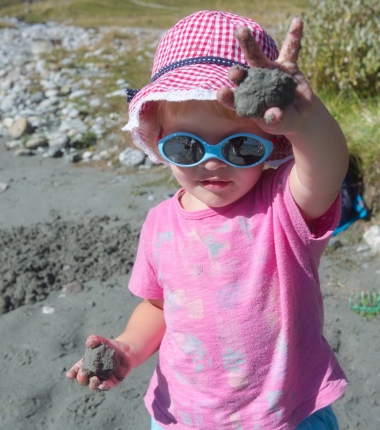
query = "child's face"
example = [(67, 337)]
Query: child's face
[(212, 183)]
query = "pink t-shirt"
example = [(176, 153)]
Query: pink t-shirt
[(243, 348)]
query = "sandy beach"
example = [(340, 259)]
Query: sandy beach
[(60, 223)]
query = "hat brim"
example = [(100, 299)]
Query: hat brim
[(193, 82)]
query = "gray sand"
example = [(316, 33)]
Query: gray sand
[(41, 340), (263, 88)]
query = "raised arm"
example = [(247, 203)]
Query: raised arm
[(141, 338), (319, 146)]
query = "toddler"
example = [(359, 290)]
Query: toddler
[(228, 267)]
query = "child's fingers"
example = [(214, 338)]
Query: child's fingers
[(251, 49), (94, 341), (237, 74), (94, 383), (112, 382), (292, 44), (225, 97), (73, 372)]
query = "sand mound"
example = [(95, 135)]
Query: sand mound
[(42, 258)]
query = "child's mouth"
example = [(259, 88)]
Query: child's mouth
[(213, 185)]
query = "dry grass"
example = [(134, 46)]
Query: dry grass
[(161, 14)]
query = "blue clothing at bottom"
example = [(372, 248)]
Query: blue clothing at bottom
[(324, 419)]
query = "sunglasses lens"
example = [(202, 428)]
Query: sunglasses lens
[(243, 151), (183, 150)]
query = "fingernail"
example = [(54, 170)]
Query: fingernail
[(269, 118)]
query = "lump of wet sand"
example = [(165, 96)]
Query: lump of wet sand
[(264, 88), (99, 362)]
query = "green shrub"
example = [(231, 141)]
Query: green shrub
[(341, 46)]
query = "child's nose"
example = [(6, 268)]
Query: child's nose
[(213, 164)]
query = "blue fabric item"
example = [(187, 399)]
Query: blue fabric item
[(324, 419), (353, 206)]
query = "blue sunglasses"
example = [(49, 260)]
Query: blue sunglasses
[(239, 150)]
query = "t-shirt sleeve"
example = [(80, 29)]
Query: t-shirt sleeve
[(144, 278), (290, 216)]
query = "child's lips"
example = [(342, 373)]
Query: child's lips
[(215, 184)]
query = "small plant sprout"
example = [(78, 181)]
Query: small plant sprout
[(365, 303)]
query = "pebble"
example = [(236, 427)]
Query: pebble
[(19, 128), (3, 187), (53, 102), (24, 152), (48, 310), (72, 288), (372, 238), (131, 157), (36, 142)]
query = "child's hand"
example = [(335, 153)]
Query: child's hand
[(123, 359), (275, 120)]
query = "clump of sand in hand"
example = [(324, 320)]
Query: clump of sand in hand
[(262, 89), (99, 362)]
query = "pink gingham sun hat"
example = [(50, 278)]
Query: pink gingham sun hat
[(191, 63)]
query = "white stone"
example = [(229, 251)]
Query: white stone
[(131, 157), (48, 310), (3, 187), (104, 154), (19, 127), (7, 121), (13, 144), (78, 93), (36, 142), (42, 46), (76, 124), (58, 140), (87, 155), (372, 237), (94, 103), (117, 93), (47, 103), (54, 92)]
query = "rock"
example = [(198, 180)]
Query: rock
[(7, 104), (24, 152), (104, 154), (13, 144), (73, 157), (58, 140), (55, 152), (37, 97), (99, 362), (75, 123), (372, 238), (48, 310), (8, 122), (264, 88), (3, 187), (77, 94), (131, 157), (98, 130), (19, 128), (42, 46), (117, 93), (72, 288), (36, 142), (94, 103), (87, 155), (54, 92), (48, 103)]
